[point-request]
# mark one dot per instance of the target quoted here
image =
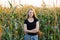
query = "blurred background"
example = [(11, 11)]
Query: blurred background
[(38, 3), (13, 14)]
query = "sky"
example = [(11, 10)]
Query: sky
[(37, 3)]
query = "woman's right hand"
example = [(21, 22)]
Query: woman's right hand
[(31, 31)]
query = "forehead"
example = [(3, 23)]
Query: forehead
[(30, 10)]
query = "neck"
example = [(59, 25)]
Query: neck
[(30, 17)]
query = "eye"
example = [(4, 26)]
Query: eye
[(31, 12)]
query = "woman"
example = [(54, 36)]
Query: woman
[(31, 26)]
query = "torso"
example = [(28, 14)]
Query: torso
[(31, 24)]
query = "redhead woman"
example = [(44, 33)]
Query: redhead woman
[(31, 25)]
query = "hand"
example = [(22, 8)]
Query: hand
[(33, 31)]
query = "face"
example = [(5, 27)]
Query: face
[(30, 13)]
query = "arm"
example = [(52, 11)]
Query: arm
[(33, 30), (26, 30), (37, 27)]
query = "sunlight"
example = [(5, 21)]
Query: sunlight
[(37, 3)]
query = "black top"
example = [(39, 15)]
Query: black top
[(31, 25)]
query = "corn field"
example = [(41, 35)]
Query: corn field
[(12, 20)]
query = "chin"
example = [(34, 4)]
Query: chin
[(30, 17)]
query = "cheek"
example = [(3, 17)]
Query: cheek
[(30, 14)]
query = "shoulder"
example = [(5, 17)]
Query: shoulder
[(25, 21), (36, 19)]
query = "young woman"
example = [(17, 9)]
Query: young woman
[(31, 26)]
